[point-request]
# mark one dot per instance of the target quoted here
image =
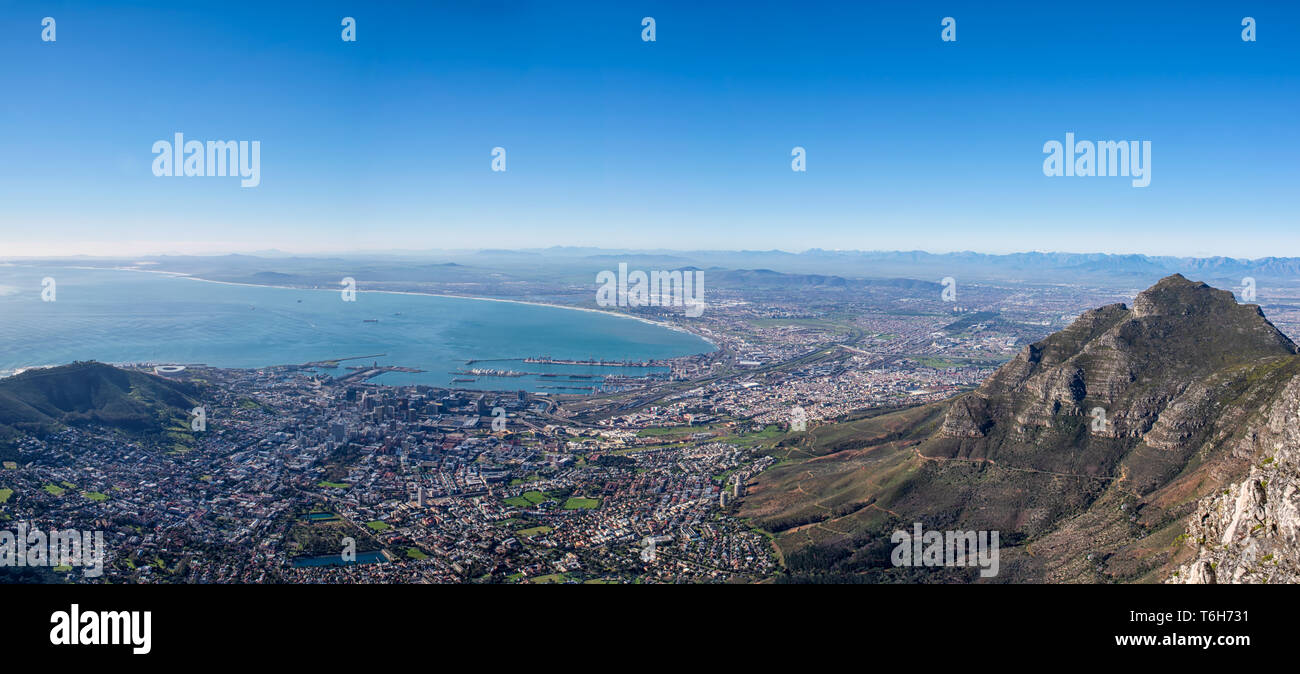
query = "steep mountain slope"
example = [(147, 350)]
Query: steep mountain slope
[(1087, 451), (1249, 532)]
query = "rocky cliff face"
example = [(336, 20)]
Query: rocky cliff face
[(1120, 366), (1136, 441), (1124, 396), (1249, 532)]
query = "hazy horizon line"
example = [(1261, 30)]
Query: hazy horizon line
[(271, 253)]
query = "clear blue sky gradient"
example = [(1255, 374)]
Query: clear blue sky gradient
[(682, 143)]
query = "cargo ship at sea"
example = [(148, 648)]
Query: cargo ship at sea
[(488, 372)]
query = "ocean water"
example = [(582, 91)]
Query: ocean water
[(131, 317)]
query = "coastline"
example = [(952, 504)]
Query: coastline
[(184, 275), (176, 274)]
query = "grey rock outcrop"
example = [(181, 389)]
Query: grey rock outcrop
[(1250, 531)]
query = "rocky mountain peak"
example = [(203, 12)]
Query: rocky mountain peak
[(1176, 296), (1121, 392), (1096, 447)]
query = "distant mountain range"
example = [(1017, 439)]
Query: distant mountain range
[(1092, 262), (579, 263), (1148, 443), (767, 278)]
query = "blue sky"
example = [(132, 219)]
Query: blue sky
[(912, 143)]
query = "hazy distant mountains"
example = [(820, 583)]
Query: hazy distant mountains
[(1140, 442), (1060, 267), (567, 274), (1093, 262), (573, 264), (769, 279)]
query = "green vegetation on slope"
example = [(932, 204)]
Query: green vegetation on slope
[(89, 393)]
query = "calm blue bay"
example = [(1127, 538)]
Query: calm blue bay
[(130, 317)]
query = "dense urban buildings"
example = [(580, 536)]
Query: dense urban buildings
[(314, 473)]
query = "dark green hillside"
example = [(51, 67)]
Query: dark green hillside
[(89, 393)]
